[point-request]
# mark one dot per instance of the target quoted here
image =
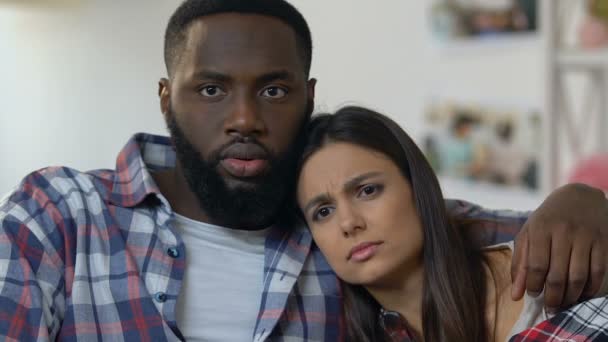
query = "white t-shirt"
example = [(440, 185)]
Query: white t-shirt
[(222, 287)]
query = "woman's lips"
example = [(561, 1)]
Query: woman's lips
[(242, 168), (363, 251)]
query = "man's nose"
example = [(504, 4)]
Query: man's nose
[(245, 118)]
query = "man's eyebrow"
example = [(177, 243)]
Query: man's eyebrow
[(284, 75), (212, 75), (316, 200)]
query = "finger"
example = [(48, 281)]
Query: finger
[(597, 269), (537, 265), (518, 265), (578, 273), (557, 277)]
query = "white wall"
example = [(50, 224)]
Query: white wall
[(383, 54), (78, 81)]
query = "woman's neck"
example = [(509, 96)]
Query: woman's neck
[(403, 294)]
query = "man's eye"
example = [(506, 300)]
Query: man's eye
[(274, 92), (212, 91), (322, 213)]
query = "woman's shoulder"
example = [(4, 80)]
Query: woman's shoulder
[(498, 258)]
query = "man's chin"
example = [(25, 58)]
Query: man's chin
[(234, 183), (242, 184)]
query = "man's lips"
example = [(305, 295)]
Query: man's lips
[(363, 251), (243, 160), (243, 168)]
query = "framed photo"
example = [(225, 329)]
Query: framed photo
[(495, 144), (466, 19)]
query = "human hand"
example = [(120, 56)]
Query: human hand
[(563, 247)]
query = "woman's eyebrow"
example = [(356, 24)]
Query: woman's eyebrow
[(316, 200), (354, 182), (348, 186)]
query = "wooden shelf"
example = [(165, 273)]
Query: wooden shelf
[(581, 59), (471, 45)]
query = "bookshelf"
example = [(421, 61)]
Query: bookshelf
[(576, 119)]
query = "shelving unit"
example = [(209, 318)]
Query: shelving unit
[(576, 121), (571, 59)]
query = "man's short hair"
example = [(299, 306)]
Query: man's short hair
[(190, 10)]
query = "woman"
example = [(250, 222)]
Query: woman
[(375, 209)]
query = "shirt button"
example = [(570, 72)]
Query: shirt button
[(173, 252), (160, 297)]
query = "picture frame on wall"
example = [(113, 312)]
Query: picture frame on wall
[(498, 145), (477, 19)]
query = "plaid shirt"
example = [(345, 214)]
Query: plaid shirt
[(587, 321), (93, 256)]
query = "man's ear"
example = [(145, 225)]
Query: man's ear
[(164, 93), (310, 86)]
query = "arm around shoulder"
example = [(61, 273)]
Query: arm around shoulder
[(489, 226)]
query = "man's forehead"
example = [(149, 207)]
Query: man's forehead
[(222, 35), (241, 44)]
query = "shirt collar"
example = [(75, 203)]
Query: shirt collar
[(395, 326), (142, 154)]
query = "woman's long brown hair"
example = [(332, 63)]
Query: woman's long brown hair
[(454, 297)]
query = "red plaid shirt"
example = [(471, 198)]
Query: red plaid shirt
[(587, 321)]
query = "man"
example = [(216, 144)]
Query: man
[(193, 237)]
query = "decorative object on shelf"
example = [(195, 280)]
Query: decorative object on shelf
[(454, 19), (593, 32), (592, 171), (599, 9)]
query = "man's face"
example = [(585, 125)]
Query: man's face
[(236, 103)]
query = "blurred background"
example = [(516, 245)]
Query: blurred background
[(507, 97)]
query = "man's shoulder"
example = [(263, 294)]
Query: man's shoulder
[(63, 189), (63, 180), (152, 150)]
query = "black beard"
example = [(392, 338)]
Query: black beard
[(250, 206)]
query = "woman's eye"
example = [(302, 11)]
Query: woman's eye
[(212, 91), (274, 92), (369, 190), (322, 213)]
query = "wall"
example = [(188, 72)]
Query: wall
[(79, 80)]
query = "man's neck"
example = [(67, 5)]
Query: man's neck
[(173, 185), (403, 295)]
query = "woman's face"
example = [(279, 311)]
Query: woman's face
[(361, 213)]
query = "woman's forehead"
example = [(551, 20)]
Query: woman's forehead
[(335, 164)]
